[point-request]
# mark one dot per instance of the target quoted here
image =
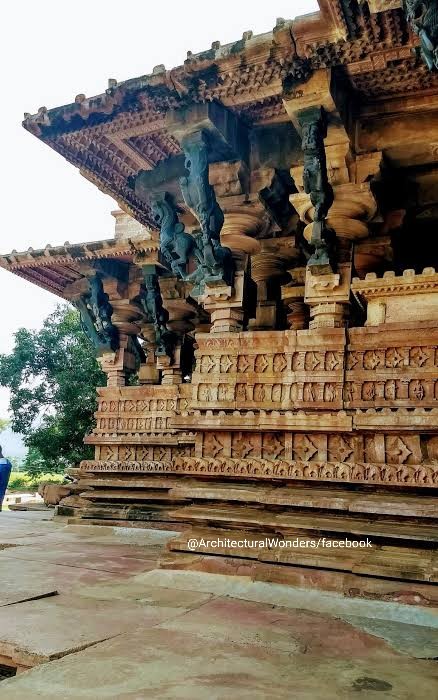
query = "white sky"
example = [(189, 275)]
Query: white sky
[(51, 51)]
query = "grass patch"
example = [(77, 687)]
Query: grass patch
[(20, 481)]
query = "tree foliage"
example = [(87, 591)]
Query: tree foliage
[(4, 423), (52, 374)]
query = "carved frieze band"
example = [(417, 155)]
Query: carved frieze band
[(399, 374), (395, 475), (142, 453), (396, 375), (306, 447), (152, 415)]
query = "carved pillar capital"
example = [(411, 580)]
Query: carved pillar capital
[(353, 207), (242, 224)]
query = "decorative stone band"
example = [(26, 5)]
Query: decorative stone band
[(264, 420), (390, 475)]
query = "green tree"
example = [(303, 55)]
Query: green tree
[(52, 374), (4, 423)]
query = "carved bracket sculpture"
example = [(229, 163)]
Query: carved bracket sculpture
[(316, 184), (216, 265), (96, 312), (176, 246), (152, 303), (422, 15)]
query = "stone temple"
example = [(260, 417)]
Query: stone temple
[(272, 285)]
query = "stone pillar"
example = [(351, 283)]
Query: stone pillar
[(228, 305), (109, 318), (148, 372), (170, 367), (120, 364), (292, 295), (328, 297), (269, 272), (126, 317), (225, 304)]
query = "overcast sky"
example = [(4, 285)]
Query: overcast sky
[(50, 52)]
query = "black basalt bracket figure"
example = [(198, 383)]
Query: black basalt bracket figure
[(152, 303), (176, 246), (96, 312), (422, 15), (316, 184), (216, 265)]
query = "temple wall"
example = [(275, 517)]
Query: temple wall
[(367, 401)]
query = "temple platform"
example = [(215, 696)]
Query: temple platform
[(90, 611)]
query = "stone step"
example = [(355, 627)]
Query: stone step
[(397, 503), (115, 495), (377, 561), (253, 517), (324, 499)]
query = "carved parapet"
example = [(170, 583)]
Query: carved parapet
[(311, 445), (137, 415), (399, 298), (400, 420)]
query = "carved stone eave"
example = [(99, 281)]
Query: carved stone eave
[(111, 136), (55, 268)]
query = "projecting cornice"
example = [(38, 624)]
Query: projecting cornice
[(113, 136), (56, 268)]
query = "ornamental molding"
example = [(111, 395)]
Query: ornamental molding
[(392, 475)]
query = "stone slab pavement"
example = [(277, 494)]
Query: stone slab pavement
[(121, 627)]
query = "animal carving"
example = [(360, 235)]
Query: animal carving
[(423, 18)]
